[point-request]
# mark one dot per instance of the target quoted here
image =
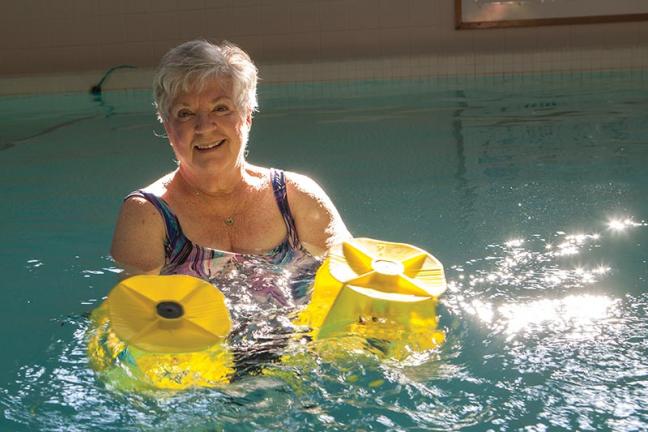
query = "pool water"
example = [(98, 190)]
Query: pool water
[(530, 189)]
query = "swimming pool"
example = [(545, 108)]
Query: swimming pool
[(530, 189)]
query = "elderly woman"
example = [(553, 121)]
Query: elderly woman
[(217, 216)]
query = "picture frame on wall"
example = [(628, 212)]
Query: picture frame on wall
[(485, 14)]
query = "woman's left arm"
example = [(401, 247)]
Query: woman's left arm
[(319, 224)]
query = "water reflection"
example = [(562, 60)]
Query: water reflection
[(561, 333), (573, 314), (623, 224)]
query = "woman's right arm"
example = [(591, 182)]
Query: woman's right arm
[(138, 241)]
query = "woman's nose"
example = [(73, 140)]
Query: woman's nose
[(204, 122)]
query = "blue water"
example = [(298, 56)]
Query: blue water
[(530, 189)]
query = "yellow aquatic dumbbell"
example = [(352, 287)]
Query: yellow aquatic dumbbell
[(377, 290), (164, 332)]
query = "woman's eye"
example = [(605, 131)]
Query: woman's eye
[(183, 114), (221, 108)]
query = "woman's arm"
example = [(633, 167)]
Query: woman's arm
[(319, 225), (138, 241)]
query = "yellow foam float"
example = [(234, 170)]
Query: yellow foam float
[(165, 332), (377, 290), (169, 332)]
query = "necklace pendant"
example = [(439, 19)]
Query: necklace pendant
[(229, 221)]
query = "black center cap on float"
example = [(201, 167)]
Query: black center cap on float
[(170, 309)]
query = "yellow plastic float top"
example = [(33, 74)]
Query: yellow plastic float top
[(377, 289), (162, 332), (168, 313)]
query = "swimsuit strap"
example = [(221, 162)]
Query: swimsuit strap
[(176, 242), (279, 187)]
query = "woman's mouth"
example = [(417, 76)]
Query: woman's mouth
[(207, 147)]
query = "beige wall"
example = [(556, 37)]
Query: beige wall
[(75, 40)]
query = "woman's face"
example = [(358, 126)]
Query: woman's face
[(206, 129)]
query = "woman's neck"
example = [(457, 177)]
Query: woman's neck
[(218, 185)]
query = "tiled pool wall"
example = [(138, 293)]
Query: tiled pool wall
[(67, 45)]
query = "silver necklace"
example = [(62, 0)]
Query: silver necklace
[(229, 221)]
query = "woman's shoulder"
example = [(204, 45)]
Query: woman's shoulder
[(138, 239), (159, 187), (302, 187), (140, 205), (318, 222)]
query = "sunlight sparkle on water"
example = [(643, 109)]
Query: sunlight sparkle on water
[(566, 313), (572, 244), (514, 243), (601, 270), (623, 224), (483, 310)]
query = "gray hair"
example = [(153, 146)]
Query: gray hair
[(190, 65)]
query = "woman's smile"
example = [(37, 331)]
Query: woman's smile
[(209, 147)]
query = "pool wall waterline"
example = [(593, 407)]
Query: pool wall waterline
[(448, 66)]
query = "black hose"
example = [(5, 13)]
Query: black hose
[(96, 89)]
